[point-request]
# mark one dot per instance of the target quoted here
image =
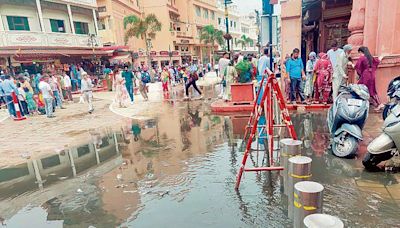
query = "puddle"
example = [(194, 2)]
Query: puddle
[(178, 170)]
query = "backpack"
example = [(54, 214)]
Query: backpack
[(145, 77)]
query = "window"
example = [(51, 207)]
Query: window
[(234, 24), (198, 11), (213, 15), (102, 9), (102, 25), (219, 20), (57, 25), (81, 27), (205, 13), (18, 23), (231, 23)]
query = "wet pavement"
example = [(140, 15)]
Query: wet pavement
[(177, 168)]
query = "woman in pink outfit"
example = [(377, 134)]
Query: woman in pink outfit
[(366, 68), (323, 84)]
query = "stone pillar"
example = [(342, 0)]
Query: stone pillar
[(291, 26), (371, 25), (96, 28), (389, 28), (71, 20), (39, 9), (356, 24), (1, 24)]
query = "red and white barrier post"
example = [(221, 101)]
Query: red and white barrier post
[(19, 116)]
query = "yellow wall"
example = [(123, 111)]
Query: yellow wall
[(113, 18), (291, 26)]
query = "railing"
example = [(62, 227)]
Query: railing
[(91, 3), (28, 38)]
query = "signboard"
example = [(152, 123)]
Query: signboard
[(153, 53), (185, 41), (164, 53), (175, 53), (264, 32)]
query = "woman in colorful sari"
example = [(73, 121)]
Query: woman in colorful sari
[(366, 69), (309, 84), (323, 84), (121, 93)]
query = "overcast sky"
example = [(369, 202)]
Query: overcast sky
[(247, 6)]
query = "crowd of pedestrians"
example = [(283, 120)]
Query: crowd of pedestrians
[(317, 81)]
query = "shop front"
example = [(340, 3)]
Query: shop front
[(39, 59)]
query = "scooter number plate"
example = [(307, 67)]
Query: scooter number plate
[(354, 102)]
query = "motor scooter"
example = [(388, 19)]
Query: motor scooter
[(393, 92), (346, 119), (386, 145)]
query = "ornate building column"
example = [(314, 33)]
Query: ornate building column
[(356, 24), (371, 25)]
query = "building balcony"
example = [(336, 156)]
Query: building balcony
[(87, 3), (40, 39)]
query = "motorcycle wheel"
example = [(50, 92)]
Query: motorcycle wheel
[(371, 161), (347, 148)]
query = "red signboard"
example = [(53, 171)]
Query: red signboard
[(153, 53), (273, 2), (164, 53), (175, 53)]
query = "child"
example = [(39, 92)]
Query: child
[(30, 101), (40, 104), (184, 75), (22, 99)]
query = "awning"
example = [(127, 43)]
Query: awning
[(55, 52), (115, 48)]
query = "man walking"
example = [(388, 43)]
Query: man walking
[(263, 62), (68, 87), (47, 94), (86, 90), (333, 53), (222, 64), (340, 70), (8, 87), (295, 71), (128, 76)]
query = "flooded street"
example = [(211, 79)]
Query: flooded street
[(178, 169)]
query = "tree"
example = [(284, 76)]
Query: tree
[(144, 28), (212, 36), (244, 41)]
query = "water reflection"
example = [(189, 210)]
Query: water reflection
[(178, 170)]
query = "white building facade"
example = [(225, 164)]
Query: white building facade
[(47, 27), (239, 27)]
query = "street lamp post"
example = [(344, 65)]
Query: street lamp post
[(258, 30), (226, 3), (170, 55), (92, 42)]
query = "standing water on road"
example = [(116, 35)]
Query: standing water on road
[(178, 170)]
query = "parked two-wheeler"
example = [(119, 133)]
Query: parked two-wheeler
[(386, 145), (346, 119), (393, 92)]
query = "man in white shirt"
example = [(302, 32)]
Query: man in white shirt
[(86, 90), (263, 62), (340, 70), (47, 94), (222, 64), (68, 86), (334, 53)]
